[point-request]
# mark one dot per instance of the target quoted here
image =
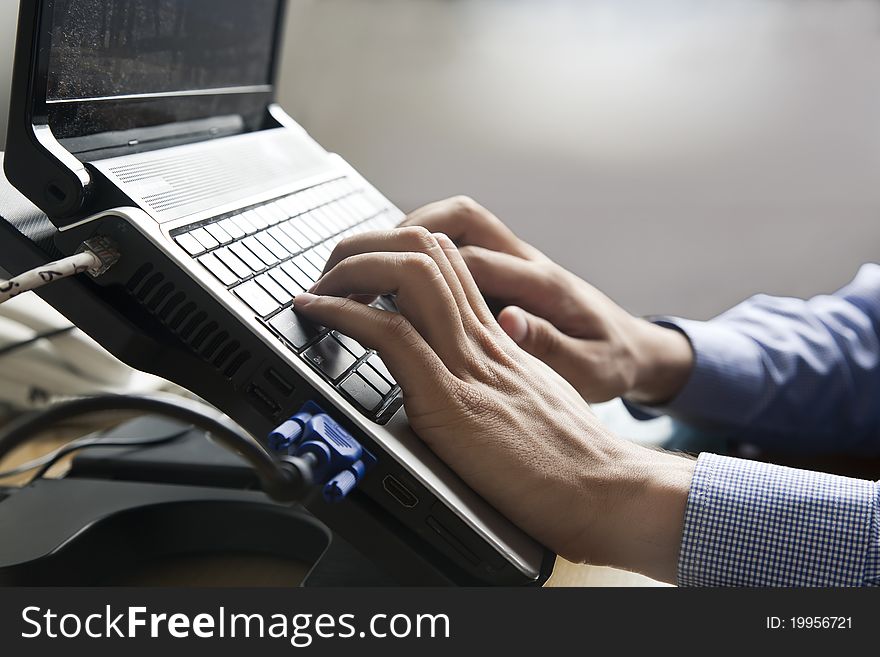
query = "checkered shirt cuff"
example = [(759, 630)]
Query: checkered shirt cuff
[(757, 524)]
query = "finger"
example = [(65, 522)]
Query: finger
[(412, 363), (510, 279), (544, 341), (423, 296), (469, 285), (469, 223), (411, 239)]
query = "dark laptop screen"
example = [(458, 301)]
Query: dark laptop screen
[(121, 64)]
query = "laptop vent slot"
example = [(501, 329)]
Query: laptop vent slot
[(186, 320)]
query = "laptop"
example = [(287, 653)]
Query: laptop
[(153, 123)]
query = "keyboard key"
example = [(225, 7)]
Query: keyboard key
[(218, 233), (272, 244), (293, 288), (257, 298), (308, 199), (320, 224), (295, 234), (296, 331), (315, 258), (280, 211), (351, 215), (330, 357), (321, 194), (246, 255), (335, 218), (351, 344), (242, 222), (379, 366), (215, 266), (375, 379), (256, 219), (190, 244), (363, 206), (308, 268), (361, 393), (284, 240), (232, 261), (332, 243), (230, 227), (323, 252), (259, 250), (297, 275), (205, 238), (291, 205), (268, 213), (278, 293), (275, 212), (305, 224)]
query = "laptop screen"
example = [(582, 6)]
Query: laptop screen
[(124, 64)]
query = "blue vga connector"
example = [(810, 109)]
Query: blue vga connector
[(338, 461)]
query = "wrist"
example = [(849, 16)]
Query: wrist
[(647, 521), (662, 362)]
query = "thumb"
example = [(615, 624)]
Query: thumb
[(536, 335)]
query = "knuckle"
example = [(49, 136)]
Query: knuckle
[(422, 264), (420, 238), (444, 241), (471, 211), (465, 205)]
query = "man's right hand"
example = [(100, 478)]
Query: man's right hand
[(602, 350)]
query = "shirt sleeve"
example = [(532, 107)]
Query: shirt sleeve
[(802, 375), (757, 524)]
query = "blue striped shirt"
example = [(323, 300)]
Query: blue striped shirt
[(792, 374)]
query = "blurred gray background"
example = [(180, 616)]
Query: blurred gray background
[(680, 154)]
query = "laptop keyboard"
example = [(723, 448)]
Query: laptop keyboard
[(269, 253)]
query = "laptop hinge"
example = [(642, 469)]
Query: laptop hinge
[(138, 140)]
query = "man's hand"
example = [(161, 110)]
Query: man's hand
[(602, 350), (509, 425)]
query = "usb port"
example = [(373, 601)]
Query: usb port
[(399, 492), (278, 382), (263, 399)]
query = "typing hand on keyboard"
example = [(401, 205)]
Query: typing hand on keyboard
[(267, 254), (508, 424)]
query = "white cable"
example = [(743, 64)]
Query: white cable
[(44, 359), (95, 255), (49, 273)]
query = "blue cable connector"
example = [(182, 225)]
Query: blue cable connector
[(338, 461)]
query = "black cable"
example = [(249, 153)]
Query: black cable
[(70, 449), (83, 443), (79, 443), (15, 346), (285, 480)]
